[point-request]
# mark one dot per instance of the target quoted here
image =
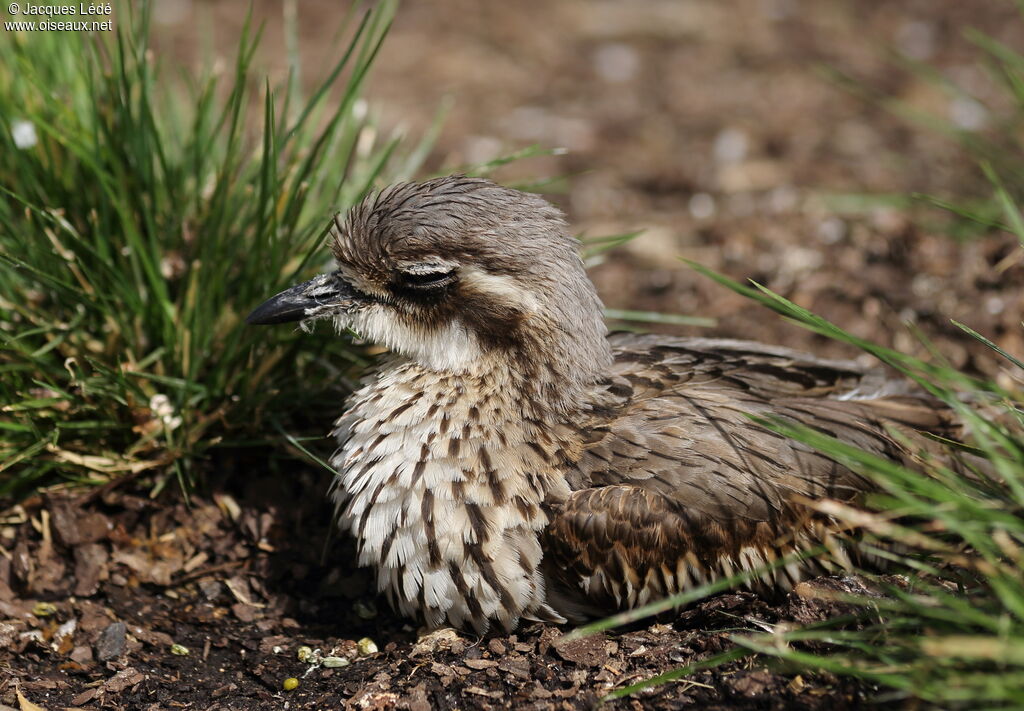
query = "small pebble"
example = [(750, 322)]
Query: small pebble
[(702, 206), (111, 642), (731, 146), (616, 63), (290, 684), (968, 114), (832, 230)]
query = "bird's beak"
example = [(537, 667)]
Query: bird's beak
[(325, 295)]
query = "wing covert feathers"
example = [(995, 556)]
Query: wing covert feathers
[(680, 486)]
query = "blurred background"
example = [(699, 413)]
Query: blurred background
[(779, 140)]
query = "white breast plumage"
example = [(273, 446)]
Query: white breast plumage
[(443, 497)]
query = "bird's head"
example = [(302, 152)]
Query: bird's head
[(454, 273)]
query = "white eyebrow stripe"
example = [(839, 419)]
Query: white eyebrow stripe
[(501, 286)]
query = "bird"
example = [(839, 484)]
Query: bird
[(509, 460)]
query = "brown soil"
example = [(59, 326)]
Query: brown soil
[(94, 596), (706, 122)]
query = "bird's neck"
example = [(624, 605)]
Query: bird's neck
[(517, 420)]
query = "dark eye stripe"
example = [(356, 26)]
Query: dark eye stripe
[(425, 280)]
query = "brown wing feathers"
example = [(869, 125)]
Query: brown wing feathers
[(618, 547), (683, 486)]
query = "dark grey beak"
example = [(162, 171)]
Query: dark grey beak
[(322, 296)]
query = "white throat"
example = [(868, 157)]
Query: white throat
[(453, 348)]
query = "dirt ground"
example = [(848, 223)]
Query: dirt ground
[(710, 124), (107, 589)]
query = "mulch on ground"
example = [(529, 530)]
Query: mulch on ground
[(125, 602)]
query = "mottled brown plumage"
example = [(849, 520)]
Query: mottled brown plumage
[(508, 460), (680, 486)]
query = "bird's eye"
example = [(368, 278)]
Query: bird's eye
[(423, 280)]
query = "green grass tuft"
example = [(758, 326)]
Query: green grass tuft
[(147, 217)]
